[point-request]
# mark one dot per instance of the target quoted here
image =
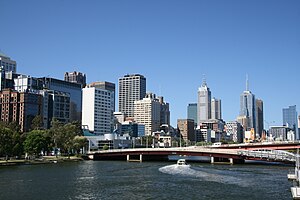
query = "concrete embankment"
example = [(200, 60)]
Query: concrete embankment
[(43, 160)]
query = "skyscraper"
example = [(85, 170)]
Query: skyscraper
[(97, 112), (259, 111), (247, 107), (74, 90), (289, 116), (147, 111), (131, 88), (76, 77), (216, 112), (106, 86), (164, 111), (204, 103), (192, 112)]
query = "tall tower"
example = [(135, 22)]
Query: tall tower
[(289, 116), (247, 107), (204, 102), (216, 112), (259, 110), (131, 88)]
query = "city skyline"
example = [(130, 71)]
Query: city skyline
[(224, 41)]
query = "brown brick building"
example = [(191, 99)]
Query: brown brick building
[(20, 107), (186, 129)]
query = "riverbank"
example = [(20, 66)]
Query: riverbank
[(42, 160)]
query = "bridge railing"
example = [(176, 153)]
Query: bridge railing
[(269, 154)]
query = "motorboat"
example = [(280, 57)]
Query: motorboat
[(182, 162)]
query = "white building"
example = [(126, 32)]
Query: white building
[(147, 112), (97, 110)]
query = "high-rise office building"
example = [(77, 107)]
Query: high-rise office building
[(20, 107), (76, 77), (147, 111), (289, 117), (105, 86), (259, 111), (192, 112), (216, 112), (97, 112), (131, 88), (7, 64), (56, 105), (247, 107), (74, 90), (164, 112), (204, 103), (186, 129)]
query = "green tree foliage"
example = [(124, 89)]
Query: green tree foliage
[(11, 125), (37, 123), (35, 142), (79, 142), (6, 141), (62, 135), (18, 148), (67, 138), (105, 147)]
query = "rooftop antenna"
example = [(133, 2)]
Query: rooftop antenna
[(204, 80), (247, 82)]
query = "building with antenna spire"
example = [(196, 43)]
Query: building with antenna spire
[(204, 102), (247, 107)]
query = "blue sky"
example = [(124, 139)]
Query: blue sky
[(173, 43)]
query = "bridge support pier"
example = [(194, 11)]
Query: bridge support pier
[(231, 161), (135, 160), (212, 160)]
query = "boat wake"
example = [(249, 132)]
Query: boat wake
[(202, 175)]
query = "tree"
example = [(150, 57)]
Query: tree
[(36, 142), (37, 123), (105, 147), (55, 133), (79, 142), (6, 142), (67, 138), (18, 148)]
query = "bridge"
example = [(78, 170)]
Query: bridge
[(276, 145), (234, 155)]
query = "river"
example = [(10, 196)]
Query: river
[(147, 180)]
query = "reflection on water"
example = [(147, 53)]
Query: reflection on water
[(147, 180)]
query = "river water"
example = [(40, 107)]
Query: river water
[(147, 180)]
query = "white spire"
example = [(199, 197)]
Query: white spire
[(247, 83), (204, 81)]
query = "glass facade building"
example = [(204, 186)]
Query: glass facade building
[(74, 90), (192, 112), (289, 118)]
